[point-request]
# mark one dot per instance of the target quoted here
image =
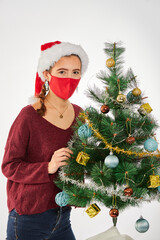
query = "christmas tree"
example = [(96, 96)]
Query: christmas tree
[(115, 159)]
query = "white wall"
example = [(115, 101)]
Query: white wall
[(27, 24)]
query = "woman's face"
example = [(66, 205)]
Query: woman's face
[(67, 67)]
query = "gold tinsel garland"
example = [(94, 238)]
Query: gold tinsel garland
[(110, 147)]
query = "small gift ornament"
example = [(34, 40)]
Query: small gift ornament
[(93, 210), (82, 158), (154, 181), (147, 107), (144, 109)]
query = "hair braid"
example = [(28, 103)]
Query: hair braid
[(41, 111)]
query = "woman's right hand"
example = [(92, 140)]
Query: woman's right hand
[(58, 158)]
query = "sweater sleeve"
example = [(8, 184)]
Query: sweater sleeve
[(14, 166)]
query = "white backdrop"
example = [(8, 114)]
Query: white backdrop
[(27, 24)]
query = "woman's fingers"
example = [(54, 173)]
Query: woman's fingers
[(66, 150), (69, 150), (63, 153), (62, 164), (59, 159)]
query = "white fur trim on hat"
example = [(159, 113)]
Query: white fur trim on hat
[(51, 55)]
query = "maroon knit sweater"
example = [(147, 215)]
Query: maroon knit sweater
[(30, 145)]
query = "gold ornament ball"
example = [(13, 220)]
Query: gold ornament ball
[(136, 92), (121, 98), (110, 62)]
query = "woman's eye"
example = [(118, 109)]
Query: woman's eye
[(76, 72), (62, 72)]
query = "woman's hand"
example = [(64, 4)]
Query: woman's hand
[(58, 158)]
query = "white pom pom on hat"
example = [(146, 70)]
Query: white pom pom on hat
[(51, 52)]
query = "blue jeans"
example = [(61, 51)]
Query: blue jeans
[(53, 224)]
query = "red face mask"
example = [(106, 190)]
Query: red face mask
[(63, 87)]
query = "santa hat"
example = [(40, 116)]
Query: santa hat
[(50, 53)]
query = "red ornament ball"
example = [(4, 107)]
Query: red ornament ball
[(128, 191), (130, 140), (114, 212), (104, 108)]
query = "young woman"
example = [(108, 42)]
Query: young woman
[(37, 146)]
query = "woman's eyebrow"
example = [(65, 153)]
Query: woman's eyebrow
[(62, 69)]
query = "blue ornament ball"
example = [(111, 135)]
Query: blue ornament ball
[(158, 188), (142, 225), (62, 199), (111, 161), (84, 131), (133, 99), (150, 145)]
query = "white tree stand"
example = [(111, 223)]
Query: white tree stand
[(111, 234)]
